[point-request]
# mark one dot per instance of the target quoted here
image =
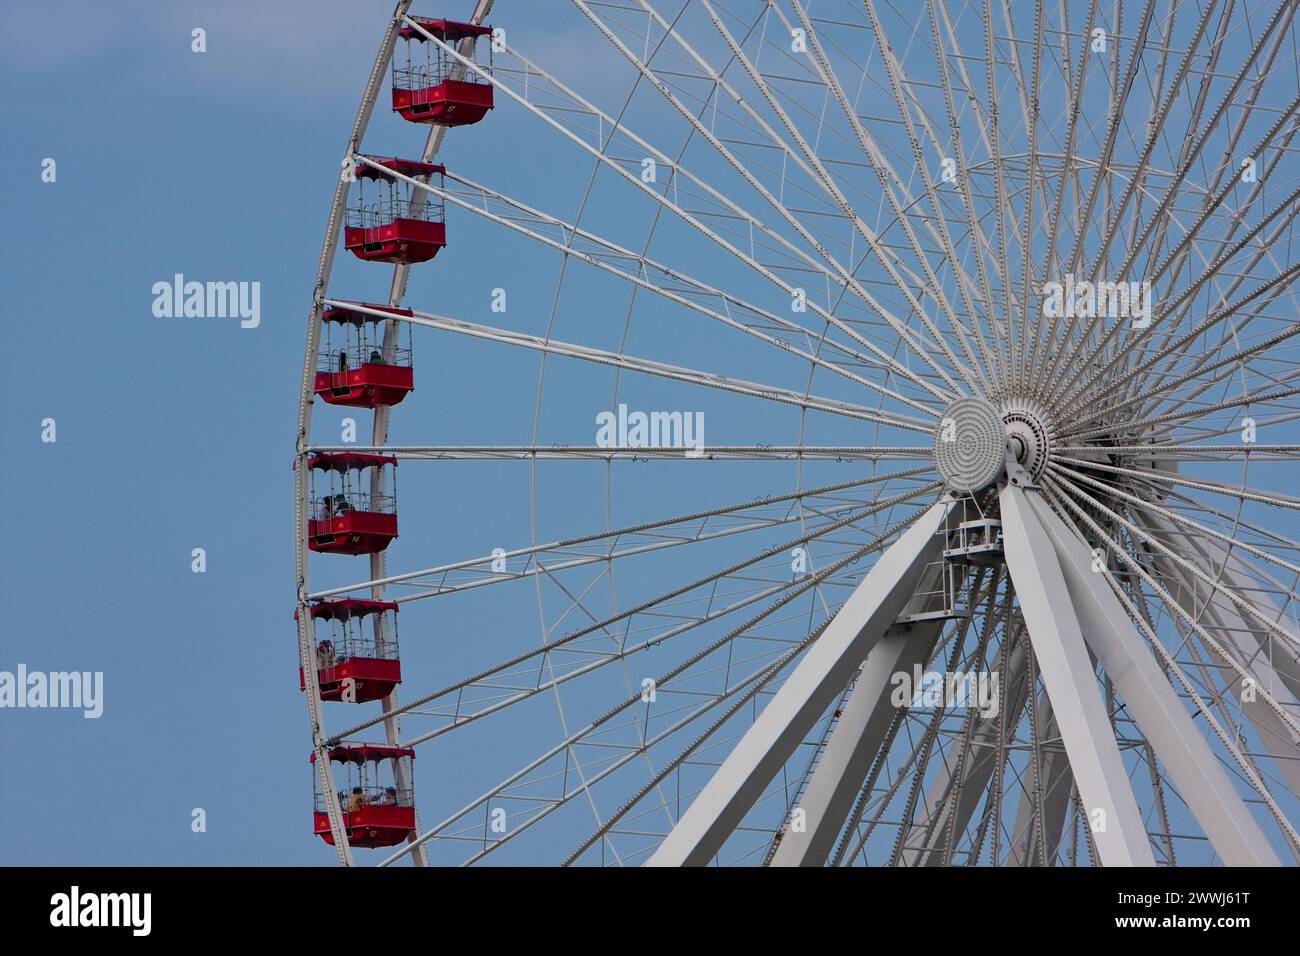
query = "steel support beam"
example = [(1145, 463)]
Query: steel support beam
[(1275, 665), (1150, 699), (1056, 636), (1248, 639), (824, 672), (857, 736)]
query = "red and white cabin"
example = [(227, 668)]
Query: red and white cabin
[(357, 658), (361, 371), (356, 513), (433, 86), (376, 811), (399, 226)]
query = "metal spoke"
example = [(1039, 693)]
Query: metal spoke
[(837, 227)]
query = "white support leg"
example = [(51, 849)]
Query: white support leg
[(1228, 623), (1250, 644), (825, 671), (1057, 639), (1182, 749), (1256, 649), (852, 746), (1261, 650), (860, 730)]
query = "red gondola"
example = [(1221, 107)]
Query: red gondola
[(376, 810), (399, 226), (348, 519), (437, 88), (363, 371), (357, 659)]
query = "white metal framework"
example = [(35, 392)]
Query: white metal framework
[(989, 307)]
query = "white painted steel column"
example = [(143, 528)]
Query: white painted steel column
[(1057, 639), (1150, 699), (825, 671)]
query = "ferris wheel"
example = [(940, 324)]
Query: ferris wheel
[(990, 557)]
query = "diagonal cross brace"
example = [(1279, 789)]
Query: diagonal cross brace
[(824, 672)]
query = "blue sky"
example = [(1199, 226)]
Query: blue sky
[(172, 434), (175, 434), (178, 433)]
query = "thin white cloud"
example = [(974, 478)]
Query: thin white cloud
[(279, 50)]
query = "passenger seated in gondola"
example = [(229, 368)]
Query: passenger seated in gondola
[(376, 358), (333, 506), (357, 800), (389, 799)]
